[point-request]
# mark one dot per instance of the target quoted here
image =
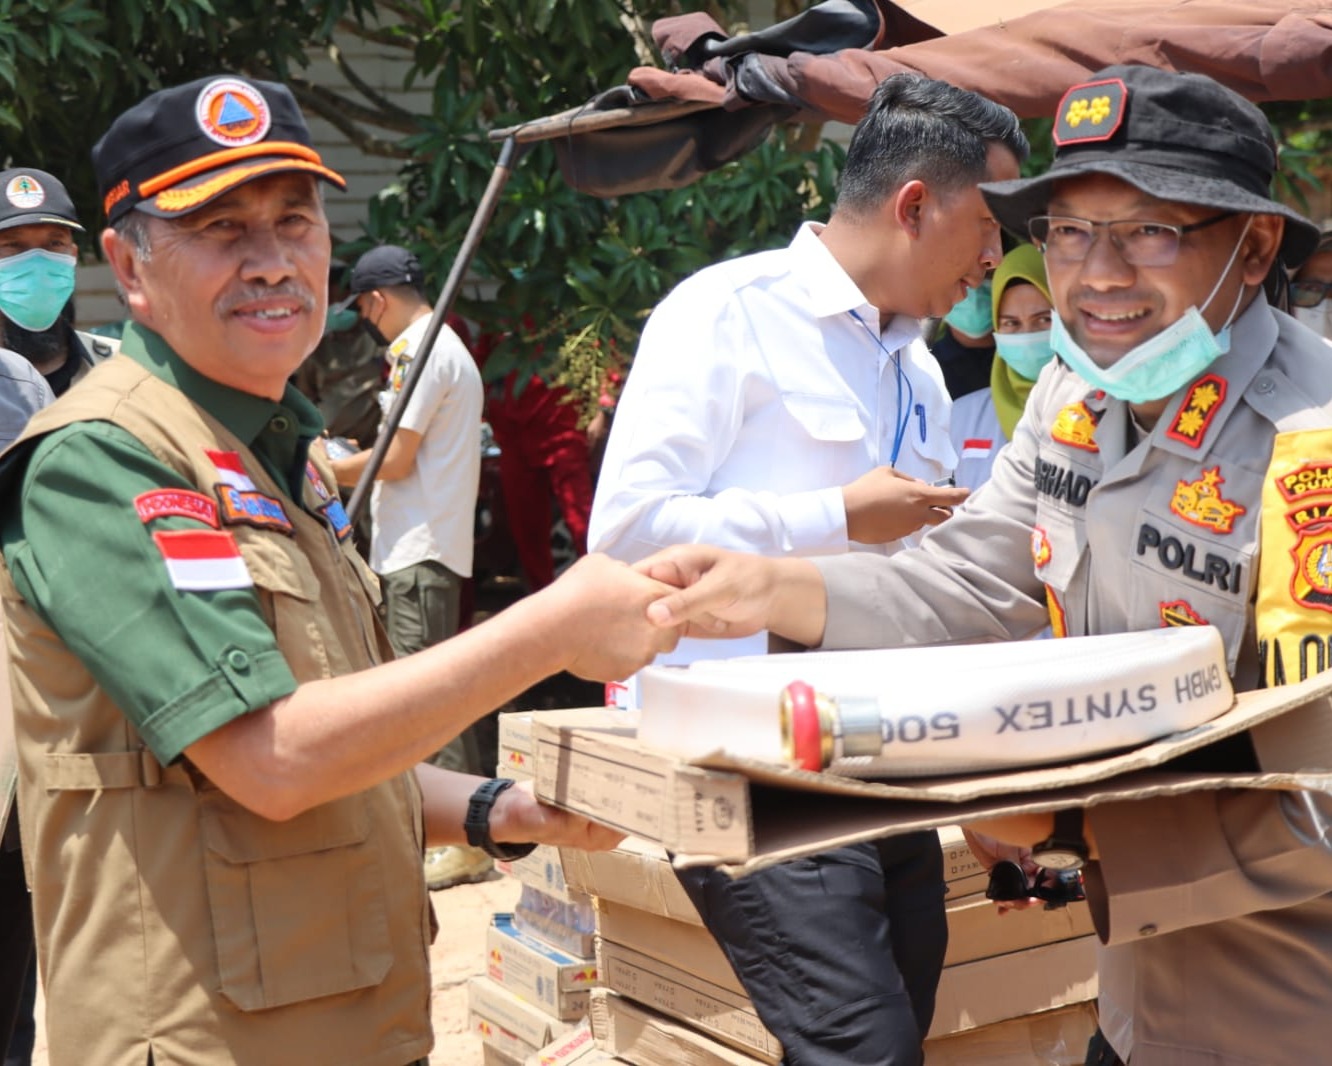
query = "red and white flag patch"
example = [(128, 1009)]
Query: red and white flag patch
[(977, 447), (231, 471), (202, 560), (177, 503)]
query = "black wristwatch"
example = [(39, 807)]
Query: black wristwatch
[(477, 822), (1065, 848)]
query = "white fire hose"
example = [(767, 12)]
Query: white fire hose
[(913, 712)]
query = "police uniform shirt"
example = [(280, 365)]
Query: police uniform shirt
[(166, 658)]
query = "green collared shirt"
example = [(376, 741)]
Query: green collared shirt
[(86, 563)]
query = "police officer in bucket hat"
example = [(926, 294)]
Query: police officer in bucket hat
[(1200, 420)]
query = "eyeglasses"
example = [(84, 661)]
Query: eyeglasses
[(1309, 293), (1141, 242), (1058, 888)]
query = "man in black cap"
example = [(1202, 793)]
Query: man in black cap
[(37, 260), (422, 509), (1172, 468), (221, 791)]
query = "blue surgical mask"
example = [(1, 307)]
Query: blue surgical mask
[(1161, 365), (1026, 353), (35, 286), (974, 313)]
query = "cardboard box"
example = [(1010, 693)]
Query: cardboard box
[(744, 815), (525, 1020), (638, 874), (981, 993), (578, 1045), (490, 1054), (682, 945), (567, 925), (537, 972), (1053, 1038), (543, 870), (976, 929), (642, 1037), (721, 1013)]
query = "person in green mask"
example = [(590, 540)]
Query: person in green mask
[(983, 421), (963, 342), (38, 256)]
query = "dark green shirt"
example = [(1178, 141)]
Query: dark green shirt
[(179, 664)]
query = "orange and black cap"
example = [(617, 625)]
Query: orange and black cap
[(183, 147)]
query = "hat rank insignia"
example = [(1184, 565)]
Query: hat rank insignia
[(1075, 425), (232, 113), (1090, 112), (1200, 502), (1197, 410)]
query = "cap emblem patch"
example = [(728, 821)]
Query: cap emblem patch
[(25, 191), (232, 113), (1090, 112)]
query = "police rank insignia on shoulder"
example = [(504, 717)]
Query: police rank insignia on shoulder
[(1200, 502), (239, 502), (1090, 112), (1075, 425), (1197, 410), (1179, 613)]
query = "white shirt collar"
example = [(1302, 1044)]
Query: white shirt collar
[(832, 292)]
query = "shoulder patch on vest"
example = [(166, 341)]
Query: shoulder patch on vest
[(202, 560), (178, 503)]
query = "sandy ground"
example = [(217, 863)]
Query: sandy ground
[(458, 953)]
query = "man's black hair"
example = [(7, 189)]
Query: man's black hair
[(919, 128)]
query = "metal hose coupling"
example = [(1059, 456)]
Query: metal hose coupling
[(818, 729)]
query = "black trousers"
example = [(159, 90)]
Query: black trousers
[(17, 952), (840, 952), (1100, 1053)]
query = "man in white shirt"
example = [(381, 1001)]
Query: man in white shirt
[(423, 503), (785, 403)]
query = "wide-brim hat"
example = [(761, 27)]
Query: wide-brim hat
[(1176, 136), (183, 147)]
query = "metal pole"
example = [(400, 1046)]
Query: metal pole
[(447, 295)]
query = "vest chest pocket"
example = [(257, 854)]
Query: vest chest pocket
[(289, 598), (298, 908)]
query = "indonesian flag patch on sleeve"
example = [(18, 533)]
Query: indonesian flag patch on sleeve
[(230, 470), (202, 560)]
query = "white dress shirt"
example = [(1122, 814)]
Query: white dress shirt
[(761, 386), (977, 437)]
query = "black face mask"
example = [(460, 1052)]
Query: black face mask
[(372, 331)]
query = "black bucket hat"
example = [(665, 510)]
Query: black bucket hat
[(1180, 137)]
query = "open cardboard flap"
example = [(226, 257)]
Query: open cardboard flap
[(744, 815)]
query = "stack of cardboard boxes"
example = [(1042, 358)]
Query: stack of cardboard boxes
[(1016, 989), (540, 962)]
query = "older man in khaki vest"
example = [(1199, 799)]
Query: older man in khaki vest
[(222, 809)]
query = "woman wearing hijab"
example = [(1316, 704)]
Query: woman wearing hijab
[(983, 422)]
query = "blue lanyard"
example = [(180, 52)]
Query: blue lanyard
[(903, 418)]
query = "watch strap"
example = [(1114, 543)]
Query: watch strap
[(477, 823)]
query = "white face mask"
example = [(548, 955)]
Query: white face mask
[(1162, 364), (1318, 319)]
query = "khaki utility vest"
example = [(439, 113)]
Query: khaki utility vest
[(169, 917)]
